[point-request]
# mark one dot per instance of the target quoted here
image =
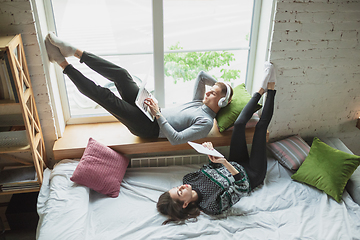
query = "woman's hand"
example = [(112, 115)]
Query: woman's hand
[(221, 160), (217, 159), (154, 108), (213, 158)]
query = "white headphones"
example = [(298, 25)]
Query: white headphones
[(223, 102)]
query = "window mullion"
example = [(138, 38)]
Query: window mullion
[(253, 44), (158, 43)]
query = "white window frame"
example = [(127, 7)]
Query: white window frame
[(158, 44)]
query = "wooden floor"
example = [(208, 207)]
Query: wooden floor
[(118, 137)]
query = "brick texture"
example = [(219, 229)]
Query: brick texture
[(315, 47)]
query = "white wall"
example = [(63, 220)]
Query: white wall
[(316, 49), (17, 17)]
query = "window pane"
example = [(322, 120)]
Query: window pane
[(199, 31), (81, 106), (106, 28), (186, 87), (121, 31)]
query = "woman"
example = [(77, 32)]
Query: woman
[(220, 184)]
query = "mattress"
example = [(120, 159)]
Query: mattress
[(279, 209)]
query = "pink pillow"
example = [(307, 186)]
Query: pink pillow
[(101, 169)]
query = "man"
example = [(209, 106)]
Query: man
[(187, 122)]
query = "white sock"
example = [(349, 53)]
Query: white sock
[(65, 48), (53, 52), (268, 69), (273, 74)]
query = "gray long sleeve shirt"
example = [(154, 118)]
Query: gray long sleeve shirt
[(189, 121)]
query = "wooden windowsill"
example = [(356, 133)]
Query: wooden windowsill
[(119, 138)]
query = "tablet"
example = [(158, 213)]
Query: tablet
[(204, 150)]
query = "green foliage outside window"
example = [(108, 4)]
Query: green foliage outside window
[(187, 65)]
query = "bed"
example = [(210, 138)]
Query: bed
[(280, 209)]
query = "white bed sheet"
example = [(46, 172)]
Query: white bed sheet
[(280, 209)]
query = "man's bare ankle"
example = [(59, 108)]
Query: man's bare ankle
[(78, 53), (271, 85), (64, 64)]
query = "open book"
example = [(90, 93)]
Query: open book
[(204, 150), (142, 95)]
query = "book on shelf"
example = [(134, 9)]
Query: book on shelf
[(30, 185), (20, 178), (7, 84)]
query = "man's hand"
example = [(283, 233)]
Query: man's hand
[(154, 108)]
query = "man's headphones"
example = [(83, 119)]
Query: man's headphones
[(223, 102)]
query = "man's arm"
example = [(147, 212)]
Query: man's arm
[(202, 80), (199, 129)]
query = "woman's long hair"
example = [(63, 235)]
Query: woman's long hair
[(174, 209)]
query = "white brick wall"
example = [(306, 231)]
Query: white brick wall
[(316, 49), (16, 17)]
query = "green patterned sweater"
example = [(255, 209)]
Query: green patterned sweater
[(217, 188)]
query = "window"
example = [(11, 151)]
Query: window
[(122, 31)]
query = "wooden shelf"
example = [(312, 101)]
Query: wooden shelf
[(11, 120), (14, 149), (18, 112), (9, 107), (35, 189)]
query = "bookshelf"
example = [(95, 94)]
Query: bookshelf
[(22, 149)]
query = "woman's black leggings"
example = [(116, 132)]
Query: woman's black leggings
[(124, 108), (256, 164)]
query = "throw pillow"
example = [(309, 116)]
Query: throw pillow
[(228, 115), (101, 169), (327, 169), (353, 185), (290, 152)]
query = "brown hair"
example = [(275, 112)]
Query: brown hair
[(223, 88), (174, 210)]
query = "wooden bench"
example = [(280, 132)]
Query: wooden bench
[(118, 137)]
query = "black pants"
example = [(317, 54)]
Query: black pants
[(256, 164), (124, 108)]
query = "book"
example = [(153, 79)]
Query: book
[(4, 83), (21, 178), (15, 175), (204, 150), (7, 84), (140, 100), (10, 79), (20, 186)]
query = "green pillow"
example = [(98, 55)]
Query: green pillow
[(327, 169), (228, 115)]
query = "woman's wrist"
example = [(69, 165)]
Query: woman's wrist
[(230, 167)]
